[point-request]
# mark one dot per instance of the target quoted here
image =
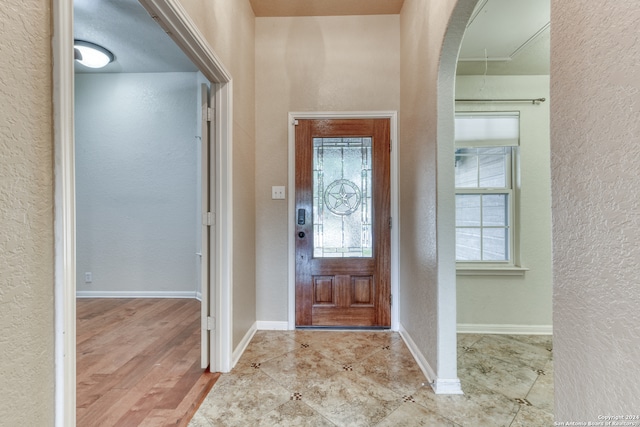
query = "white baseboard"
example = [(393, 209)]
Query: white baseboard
[(473, 328), (199, 296), (439, 385), (242, 346), (136, 294), (267, 325), (427, 370)]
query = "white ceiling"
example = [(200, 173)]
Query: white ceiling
[(515, 33), (507, 37)]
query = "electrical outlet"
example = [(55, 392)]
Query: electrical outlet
[(277, 192), (88, 277)]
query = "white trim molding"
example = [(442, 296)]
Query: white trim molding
[(137, 294), (439, 385), (395, 230), (177, 23), (427, 370), (174, 19), (242, 346), (447, 386), (222, 296), (503, 329), (267, 325), (65, 222), (467, 270)]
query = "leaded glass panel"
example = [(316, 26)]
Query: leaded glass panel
[(342, 198)]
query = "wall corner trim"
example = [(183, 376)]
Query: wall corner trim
[(439, 385), (64, 215), (242, 346), (447, 386)]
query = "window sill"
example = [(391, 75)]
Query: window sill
[(490, 270)]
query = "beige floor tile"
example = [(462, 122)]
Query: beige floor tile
[(266, 345), (466, 341), (541, 394), (345, 402), (395, 370), (242, 398), (544, 341), (294, 413), (411, 414), (324, 338), (511, 349), (478, 406), (384, 338), (199, 420), (349, 349), (529, 416), (511, 379), (353, 378), (297, 369)]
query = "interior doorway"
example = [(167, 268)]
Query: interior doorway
[(142, 167), (170, 15)]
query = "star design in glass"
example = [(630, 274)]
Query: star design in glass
[(342, 197)]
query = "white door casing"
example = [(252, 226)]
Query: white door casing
[(172, 17)]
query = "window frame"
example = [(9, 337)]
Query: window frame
[(496, 267)]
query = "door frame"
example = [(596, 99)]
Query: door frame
[(172, 17), (395, 229)]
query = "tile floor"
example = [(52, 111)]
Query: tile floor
[(321, 378)]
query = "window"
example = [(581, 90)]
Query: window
[(486, 145)]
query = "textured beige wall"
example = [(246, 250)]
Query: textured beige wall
[(595, 153), (264, 8), (423, 24), (229, 27), (26, 215), (516, 300), (347, 63)]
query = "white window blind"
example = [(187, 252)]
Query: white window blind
[(487, 129)]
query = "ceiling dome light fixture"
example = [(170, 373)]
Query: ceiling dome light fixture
[(91, 55)]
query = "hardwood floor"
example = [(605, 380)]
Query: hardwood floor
[(138, 362)]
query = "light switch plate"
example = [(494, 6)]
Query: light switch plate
[(277, 192)]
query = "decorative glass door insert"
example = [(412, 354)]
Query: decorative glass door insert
[(342, 198)]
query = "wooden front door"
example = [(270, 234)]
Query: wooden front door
[(343, 221)]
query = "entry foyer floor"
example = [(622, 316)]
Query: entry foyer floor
[(321, 378)]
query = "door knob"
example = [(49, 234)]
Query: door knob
[(301, 234)]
